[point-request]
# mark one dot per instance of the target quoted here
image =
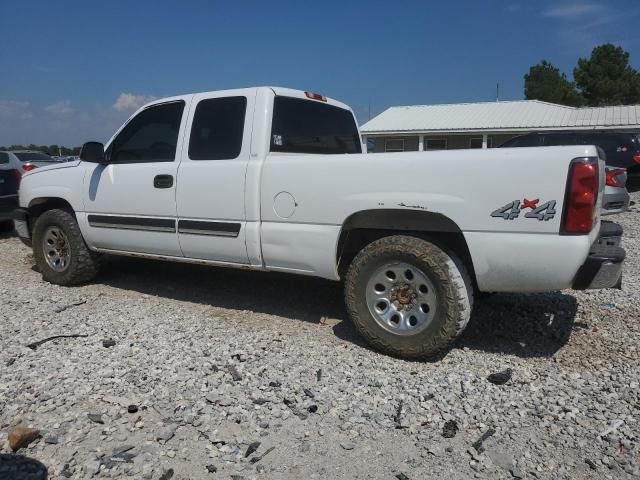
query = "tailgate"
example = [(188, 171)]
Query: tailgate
[(8, 182)]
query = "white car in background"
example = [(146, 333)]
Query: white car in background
[(26, 160)]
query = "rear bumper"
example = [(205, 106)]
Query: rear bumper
[(615, 200), (603, 267)]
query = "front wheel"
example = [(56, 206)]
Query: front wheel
[(407, 297), (60, 251)]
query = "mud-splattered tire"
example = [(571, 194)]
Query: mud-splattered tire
[(81, 264), (427, 289)]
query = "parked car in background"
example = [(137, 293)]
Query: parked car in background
[(620, 150), (26, 160), (9, 181)]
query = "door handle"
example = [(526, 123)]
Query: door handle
[(163, 181)]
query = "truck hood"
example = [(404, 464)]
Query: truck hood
[(55, 166)]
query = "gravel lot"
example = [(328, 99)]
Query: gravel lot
[(213, 361)]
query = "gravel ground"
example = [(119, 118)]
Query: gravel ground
[(230, 374)]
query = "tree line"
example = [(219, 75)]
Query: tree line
[(52, 150), (605, 78)]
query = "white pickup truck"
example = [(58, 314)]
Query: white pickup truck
[(276, 179)]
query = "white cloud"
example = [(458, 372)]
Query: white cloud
[(60, 108), (574, 10), (129, 101)]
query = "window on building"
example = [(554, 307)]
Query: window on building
[(435, 144), (476, 142), (217, 130), (152, 136), (394, 145)]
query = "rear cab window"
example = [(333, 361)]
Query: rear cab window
[(308, 126)]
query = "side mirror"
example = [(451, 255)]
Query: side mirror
[(92, 152)]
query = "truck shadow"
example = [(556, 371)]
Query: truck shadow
[(18, 467), (535, 325)]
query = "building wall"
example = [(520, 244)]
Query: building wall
[(453, 141)]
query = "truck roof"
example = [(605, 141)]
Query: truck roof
[(281, 91)]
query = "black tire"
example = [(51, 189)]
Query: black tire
[(83, 264), (6, 226), (453, 295)]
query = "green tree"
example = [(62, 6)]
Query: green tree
[(545, 82), (606, 78)]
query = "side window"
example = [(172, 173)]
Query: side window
[(152, 136), (218, 126), (4, 157)]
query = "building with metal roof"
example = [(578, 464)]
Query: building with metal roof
[(483, 125)]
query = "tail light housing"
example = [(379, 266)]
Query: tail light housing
[(18, 177), (612, 177), (581, 197), (28, 167), (636, 158)]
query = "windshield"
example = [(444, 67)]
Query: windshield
[(305, 126), (25, 157)]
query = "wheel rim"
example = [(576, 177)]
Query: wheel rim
[(55, 247), (401, 298)]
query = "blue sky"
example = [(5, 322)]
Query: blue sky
[(74, 70)]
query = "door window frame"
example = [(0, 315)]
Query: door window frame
[(179, 140)]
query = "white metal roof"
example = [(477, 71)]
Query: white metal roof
[(516, 116)]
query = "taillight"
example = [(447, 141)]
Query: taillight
[(612, 175), (636, 158), (581, 196), (18, 177), (28, 167)]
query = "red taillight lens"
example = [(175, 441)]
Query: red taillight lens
[(28, 167), (316, 96), (581, 196), (636, 158), (612, 175), (18, 177)]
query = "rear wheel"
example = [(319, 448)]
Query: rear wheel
[(60, 251), (408, 297)]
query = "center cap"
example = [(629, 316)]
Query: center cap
[(404, 296)]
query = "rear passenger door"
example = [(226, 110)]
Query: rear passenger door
[(211, 178)]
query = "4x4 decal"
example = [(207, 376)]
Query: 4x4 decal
[(512, 210)]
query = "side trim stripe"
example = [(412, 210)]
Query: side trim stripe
[(133, 223), (218, 229)]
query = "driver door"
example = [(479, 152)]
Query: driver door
[(130, 203)]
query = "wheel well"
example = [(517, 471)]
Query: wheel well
[(362, 228), (40, 205)]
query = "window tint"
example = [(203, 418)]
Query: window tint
[(4, 157), (306, 126), (34, 157), (218, 125), (152, 136)]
